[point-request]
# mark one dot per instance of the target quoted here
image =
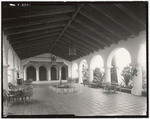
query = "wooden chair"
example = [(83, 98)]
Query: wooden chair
[(7, 97), (27, 92)]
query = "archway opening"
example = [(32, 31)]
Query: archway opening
[(31, 73), (75, 74), (64, 72), (84, 75), (97, 69), (121, 59), (42, 73), (54, 73)]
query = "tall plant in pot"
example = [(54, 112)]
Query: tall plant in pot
[(98, 75), (127, 75)]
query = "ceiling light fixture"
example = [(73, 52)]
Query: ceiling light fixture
[(72, 50)]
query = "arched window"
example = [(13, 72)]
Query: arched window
[(54, 73), (64, 72), (42, 74), (31, 73)]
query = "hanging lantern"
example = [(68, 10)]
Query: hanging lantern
[(72, 50), (53, 58)]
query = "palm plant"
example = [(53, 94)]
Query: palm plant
[(128, 73), (98, 74)]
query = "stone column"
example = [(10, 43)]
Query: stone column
[(49, 74), (37, 74), (5, 77), (107, 74), (25, 74), (60, 73), (137, 81), (90, 75), (119, 75)]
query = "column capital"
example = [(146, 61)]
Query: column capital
[(6, 66)]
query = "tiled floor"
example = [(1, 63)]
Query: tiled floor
[(85, 101)]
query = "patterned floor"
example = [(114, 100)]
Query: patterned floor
[(84, 101)]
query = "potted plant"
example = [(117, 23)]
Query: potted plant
[(127, 75), (98, 76)]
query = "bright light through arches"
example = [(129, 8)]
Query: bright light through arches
[(123, 58), (97, 62)]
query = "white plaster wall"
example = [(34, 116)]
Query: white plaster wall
[(6, 68), (6, 47)]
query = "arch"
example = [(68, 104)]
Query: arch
[(64, 72), (54, 73), (96, 64), (31, 73), (83, 70), (42, 73), (117, 60), (75, 73)]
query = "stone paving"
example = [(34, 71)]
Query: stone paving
[(85, 101)]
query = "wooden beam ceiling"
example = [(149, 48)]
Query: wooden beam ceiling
[(47, 27)]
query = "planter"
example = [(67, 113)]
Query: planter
[(125, 90), (144, 93)]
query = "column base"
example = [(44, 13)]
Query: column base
[(136, 91)]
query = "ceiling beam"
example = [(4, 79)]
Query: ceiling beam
[(34, 28), (64, 56), (65, 46), (88, 33), (69, 22), (88, 14), (78, 46), (28, 55), (33, 49), (77, 39), (29, 12), (81, 45), (39, 38), (66, 52), (121, 7), (112, 17), (76, 33), (20, 23), (28, 44), (94, 29), (34, 33)]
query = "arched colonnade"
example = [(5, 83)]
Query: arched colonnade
[(117, 58), (50, 72)]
